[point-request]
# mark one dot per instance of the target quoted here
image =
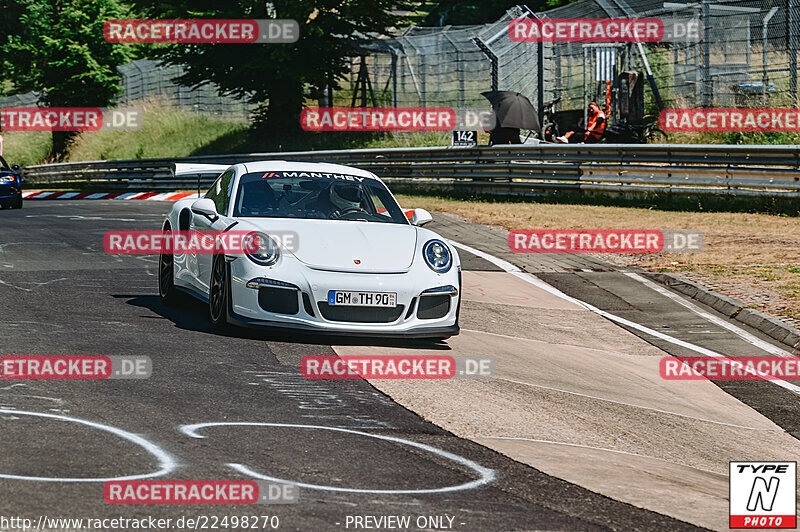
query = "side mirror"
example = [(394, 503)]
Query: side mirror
[(205, 207), (15, 167), (421, 217)]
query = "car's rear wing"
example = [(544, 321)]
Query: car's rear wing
[(199, 170)]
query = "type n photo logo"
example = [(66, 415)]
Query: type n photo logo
[(763, 495)]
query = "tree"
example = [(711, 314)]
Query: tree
[(57, 48), (466, 12), (276, 75), (10, 13)]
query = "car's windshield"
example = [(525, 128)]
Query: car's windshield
[(315, 195)]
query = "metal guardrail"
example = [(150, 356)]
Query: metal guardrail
[(501, 170)]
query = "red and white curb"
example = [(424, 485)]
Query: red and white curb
[(155, 196)]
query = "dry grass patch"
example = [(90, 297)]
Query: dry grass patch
[(755, 257)]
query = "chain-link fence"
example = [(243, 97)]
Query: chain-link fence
[(424, 67), (145, 79), (446, 66), (746, 56)]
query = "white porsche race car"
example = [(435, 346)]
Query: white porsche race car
[(358, 266)]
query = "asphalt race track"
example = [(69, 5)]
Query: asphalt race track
[(575, 431)]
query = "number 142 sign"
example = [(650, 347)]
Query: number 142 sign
[(465, 138)]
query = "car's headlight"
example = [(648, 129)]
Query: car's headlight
[(7, 179), (263, 250), (437, 256)]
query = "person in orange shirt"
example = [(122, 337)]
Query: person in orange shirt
[(595, 129)]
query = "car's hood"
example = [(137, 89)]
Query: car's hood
[(367, 247)]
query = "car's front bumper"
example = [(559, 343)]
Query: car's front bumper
[(311, 313), (10, 192), (419, 332)]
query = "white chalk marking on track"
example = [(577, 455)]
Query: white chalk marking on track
[(35, 287), (56, 400), (165, 461), (513, 270), (738, 331), (486, 475), (79, 218)]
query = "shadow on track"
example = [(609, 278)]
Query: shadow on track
[(190, 314)]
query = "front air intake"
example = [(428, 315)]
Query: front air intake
[(278, 300), (360, 314), (433, 307)]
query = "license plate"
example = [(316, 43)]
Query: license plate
[(362, 299)]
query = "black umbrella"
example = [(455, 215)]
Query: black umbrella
[(513, 110)]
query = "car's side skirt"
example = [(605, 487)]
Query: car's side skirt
[(194, 293)]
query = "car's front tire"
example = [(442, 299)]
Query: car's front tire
[(166, 276), (17, 203), (218, 293)]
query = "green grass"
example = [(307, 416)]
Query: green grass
[(253, 141), (168, 132), (26, 147), (410, 140), (165, 132)]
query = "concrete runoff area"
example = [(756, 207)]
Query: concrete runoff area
[(602, 418)]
